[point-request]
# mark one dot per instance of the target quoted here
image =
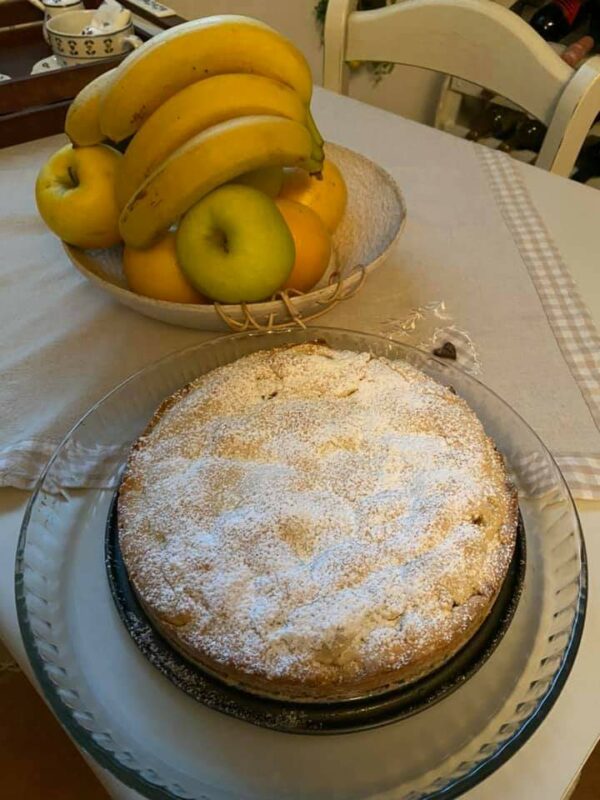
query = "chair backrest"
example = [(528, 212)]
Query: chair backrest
[(478, 40)]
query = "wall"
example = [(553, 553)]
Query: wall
[(407, 91)]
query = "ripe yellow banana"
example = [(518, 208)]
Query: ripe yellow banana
[(193, 51), (213, 157), (82, 124), (196, 108)]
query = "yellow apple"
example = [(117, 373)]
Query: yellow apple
[(75, 195)]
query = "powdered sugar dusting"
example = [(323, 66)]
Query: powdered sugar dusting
[(316, 519)]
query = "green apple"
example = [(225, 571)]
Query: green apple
[(235, 246), (75, 195), (268, 179)]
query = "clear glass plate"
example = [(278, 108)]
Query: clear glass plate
[(164, 744)]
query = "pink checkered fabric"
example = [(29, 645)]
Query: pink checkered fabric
[(567, 314)]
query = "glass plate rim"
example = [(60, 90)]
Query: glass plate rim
[(131, 776)]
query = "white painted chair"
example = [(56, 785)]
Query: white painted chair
[(479, 41)]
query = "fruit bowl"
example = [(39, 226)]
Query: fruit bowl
[(358, 249)]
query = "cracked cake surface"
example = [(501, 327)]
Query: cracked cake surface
[(316, 524)]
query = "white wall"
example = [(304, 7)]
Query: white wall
[(407, 91)]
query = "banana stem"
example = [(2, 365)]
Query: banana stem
[(314, 167), (317, 153), (314, 131)]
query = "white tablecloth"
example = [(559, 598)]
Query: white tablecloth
[(419, 158), (475, 265)]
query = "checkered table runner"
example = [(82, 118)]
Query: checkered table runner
[(566, 312)]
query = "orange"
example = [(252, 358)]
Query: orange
[(155, 273), (312, 242), (326, 196)]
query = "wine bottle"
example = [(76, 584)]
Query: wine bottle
[(556, 19), (495, 121), (594, 31), (588, 163), (577, 51), (529, 135), (594, 24)]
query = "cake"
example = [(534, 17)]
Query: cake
[(316, 525)]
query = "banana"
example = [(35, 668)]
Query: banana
[(193, 51), (196, 108), (314, 131), (213, 157), (82, 124)]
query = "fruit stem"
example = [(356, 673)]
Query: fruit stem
[(73, 176), (314, 163), (219, 238), (314, 168), (314, 131), (317, 152)]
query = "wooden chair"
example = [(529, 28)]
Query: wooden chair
[(482, 42)]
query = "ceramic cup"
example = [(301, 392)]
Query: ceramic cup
[(54, 8), (70, 46)]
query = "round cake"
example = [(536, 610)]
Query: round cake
[(316, 525)]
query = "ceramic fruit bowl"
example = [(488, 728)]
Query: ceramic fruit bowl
[(373, 221)]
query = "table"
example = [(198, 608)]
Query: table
[(545, 768)]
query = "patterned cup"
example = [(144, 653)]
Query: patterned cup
[(54, 8), (71, 46)]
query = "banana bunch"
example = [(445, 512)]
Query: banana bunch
[(204, 103)]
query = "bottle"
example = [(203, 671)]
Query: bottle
[(588, 163), (529, 135), (594, 25), (495, 121), (577, 51), (594, 32), (556, 19)]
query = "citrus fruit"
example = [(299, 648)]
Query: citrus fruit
[(155, 273), (312, 242), (327, 196)]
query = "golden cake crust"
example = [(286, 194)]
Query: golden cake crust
[(316, 524)]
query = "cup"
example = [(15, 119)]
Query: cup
[(54, 8), (70, 46)]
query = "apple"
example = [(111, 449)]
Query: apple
[(75, 195), (234, 245)]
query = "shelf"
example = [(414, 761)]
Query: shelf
[(472, 90), (461, 101)]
